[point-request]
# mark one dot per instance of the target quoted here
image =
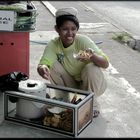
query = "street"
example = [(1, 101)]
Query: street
[(92, 25), (120, 102), (125, 14)]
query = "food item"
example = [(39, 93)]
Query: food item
[(52, 120), (85, 53), (63, 120), (66, 122), (74, 99)]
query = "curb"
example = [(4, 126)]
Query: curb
[(134, 43)]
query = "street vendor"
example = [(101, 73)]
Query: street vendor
[(72, 59)]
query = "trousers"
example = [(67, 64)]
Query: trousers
[(92, 79)]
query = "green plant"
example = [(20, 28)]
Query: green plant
[(122, 37)]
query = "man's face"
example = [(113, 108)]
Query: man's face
[(67, 33)]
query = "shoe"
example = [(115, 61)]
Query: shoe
[(96, 113)]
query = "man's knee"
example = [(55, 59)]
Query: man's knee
[(91, 69), (93, 78)]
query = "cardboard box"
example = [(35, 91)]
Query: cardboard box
[(17, 20)]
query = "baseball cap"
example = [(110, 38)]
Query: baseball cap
[(66, 11)]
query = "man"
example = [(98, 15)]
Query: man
[(59, 65)]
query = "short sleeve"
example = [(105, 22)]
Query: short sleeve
[(49, 56)]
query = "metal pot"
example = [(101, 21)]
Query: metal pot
[(31, 109)]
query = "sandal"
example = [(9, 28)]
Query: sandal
[(96, 113)]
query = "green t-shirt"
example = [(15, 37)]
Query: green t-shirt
[(56, 52)]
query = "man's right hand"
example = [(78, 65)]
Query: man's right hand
[(44, 71)]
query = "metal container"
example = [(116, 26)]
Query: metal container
[(30, 109)]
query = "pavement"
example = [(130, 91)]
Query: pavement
[(119, 105)]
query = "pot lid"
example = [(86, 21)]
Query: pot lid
[(30, 85)]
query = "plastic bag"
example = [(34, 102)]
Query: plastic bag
[(11, 82)]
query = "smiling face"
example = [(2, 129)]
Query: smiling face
[(67, 32)]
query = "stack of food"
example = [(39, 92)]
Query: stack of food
[(60, 118), (62, 121), (84, 53)]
